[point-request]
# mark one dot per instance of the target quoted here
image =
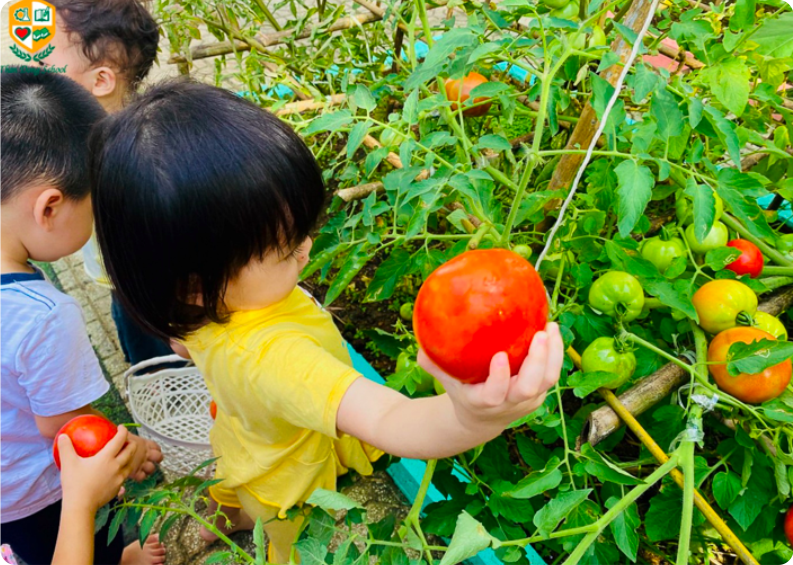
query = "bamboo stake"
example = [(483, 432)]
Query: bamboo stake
[(307, 105), (661, 456)]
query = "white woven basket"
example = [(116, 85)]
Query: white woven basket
[(172, 407)]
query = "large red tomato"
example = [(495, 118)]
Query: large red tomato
[(474, 306), (89, 434), (750, 262), (460, 89), (789, 525), (752, 388)]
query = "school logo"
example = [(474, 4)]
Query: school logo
[(31, 25)]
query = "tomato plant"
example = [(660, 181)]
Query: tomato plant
[(750, 262), (748, 387), (89, 434), (476, 305)]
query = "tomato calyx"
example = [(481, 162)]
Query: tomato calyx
[(745, 319)]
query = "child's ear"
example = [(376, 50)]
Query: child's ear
[(47, 206), (105, 81)]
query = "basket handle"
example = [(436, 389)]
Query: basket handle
[(151, 363)]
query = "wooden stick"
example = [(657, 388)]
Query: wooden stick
[(649, 391), (306, 105)]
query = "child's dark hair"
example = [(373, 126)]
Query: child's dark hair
[(46, 120), (190, 183), (120, 32)]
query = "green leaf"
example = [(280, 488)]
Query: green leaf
[(494, 142), (439, 56), (734, 187), (667, 114), (748, 506), (635, 189), (538, 482), (535, 454), (643, 82), (725, 130), (355, 138), (729, 80), (781, 478), (115, 524), (388, 274), (146, 524), (550, 515), (757, 356), (352, 265), (625, 529), (586, 383), (312, 552), (331, 501), (662, 520), (486, 90), (719, 258), (704, 212), (363, 98), (470, 537), (726, 486), (743, 18), (166, 526), (774, 37), (677, 295), (410, 112), (441, 517), (604, 470), (333, 121), (258, 542), (219, 557)]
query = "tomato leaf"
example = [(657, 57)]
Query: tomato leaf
[(719, 258), (533, 453), (677, 295), (219, 557), (662, 520), (550, 515), (625, 529), (754, 499), (774, 37), (352, 265), (538, 482), (494, 142), (734, 187), (388, 274), (354, 140), (331, 122), (115, 524), (635, 189), (667, 114), (312, 551), (729, 81), (726, 487), (643, 82), (586, 383), (439, 56), (604, 470), (725, 130), (331, 501), (755, 357), (470, 537), (704, 211)]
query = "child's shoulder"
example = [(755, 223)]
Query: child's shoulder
[(29, 298)]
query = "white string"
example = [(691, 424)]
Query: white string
[(617, 87)]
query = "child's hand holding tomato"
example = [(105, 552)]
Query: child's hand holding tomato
[(504, 398), (90, 482)]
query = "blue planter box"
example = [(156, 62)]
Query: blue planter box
[(407, 474)]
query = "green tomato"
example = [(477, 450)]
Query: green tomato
[(617, 294), (684, 208), (717, 237), (555, 4), (389, 138), (406, 363), (549, 268), (595, 39), (569, 12), (784, 244), (602, 355), (522, 250), (770, 324), (406, 311), (661, 252)]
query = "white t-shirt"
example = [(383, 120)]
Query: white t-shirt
[(48, 368)]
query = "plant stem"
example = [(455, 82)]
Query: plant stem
[(617, 509), (772, 283), (628, 336), (781, 271), (686, 451), (773, 254)]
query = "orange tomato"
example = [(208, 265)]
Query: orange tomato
[(752, 388), (460, 90), (213, 409)]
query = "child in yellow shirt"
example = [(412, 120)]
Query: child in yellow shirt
[(221, 197)]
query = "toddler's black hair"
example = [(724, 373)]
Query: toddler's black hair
[(46, 119), (190, 183)]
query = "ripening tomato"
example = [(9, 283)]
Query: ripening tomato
[(723, 304), (604, 355), (750, 262), (617, 294), (475, 305), (771, 324), (716, 237), (459, 90), (89, 434), (789, 525), (213, 409), (752, 388)]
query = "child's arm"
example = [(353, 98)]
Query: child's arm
[(148, 453), (467, 416), (88, 483)]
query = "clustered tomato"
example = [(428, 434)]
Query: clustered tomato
[(715, 238), (475, 305), (747, 387), (661, 252), (89, 434), (750, 262), (459, 90), (617, 294), (723, 304), (604, 355)]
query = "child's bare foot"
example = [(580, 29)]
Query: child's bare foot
[(152, 552), (241, 523)]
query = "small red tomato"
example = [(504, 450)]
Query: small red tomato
[(89, 434), (750, 261), (460, 89), (789, 525), (213, 409), (475, 305)]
